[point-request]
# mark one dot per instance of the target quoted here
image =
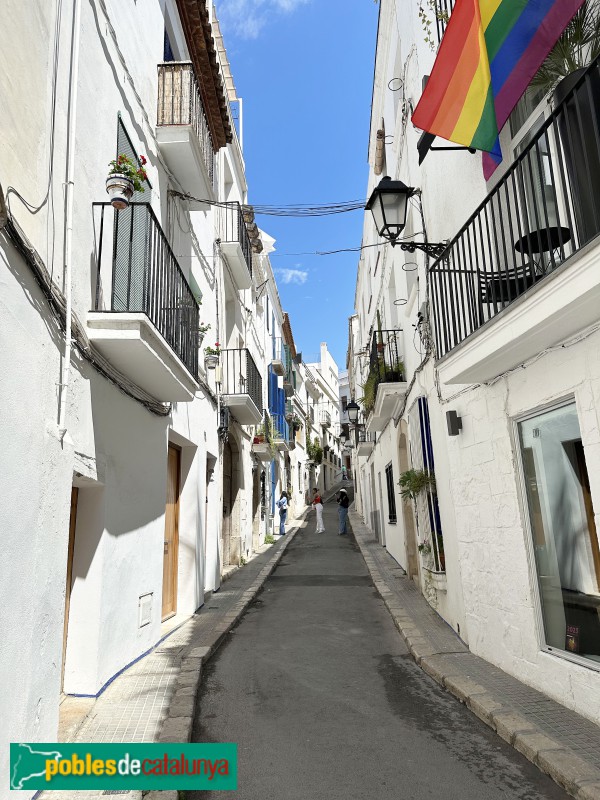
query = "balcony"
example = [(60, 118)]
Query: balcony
[(288, 372), (365, 444), (385, 386), (182, 131), (325, 419), (145, 318), (235, 244), (278, 357), (521, 275), (281, 432), (241, 386)]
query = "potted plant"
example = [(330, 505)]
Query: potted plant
[(414, 481), (125, 177), (263, 441), (201, 332), (314, 451), (212, 355), (564, 66), (296, 423)]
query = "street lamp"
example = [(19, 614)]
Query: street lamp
[(389, 205), (353, 410)]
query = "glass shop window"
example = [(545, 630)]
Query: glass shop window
[(565, 540)]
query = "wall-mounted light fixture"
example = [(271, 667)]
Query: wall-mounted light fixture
[(389, 205), (454, 423), (353, 410)]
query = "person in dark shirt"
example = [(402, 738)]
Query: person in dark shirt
[(343, 503)]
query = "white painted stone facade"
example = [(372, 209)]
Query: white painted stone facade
[(115, 449), (489, 590)]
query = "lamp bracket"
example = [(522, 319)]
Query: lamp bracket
[(433, 249)]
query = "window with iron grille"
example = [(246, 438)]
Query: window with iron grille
[(389, 481)]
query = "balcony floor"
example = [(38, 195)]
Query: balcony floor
[(237, 263), (135, 347), (389, 395), (181, 150), (243, 408)]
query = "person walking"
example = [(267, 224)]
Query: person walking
[(343, 503), (282, 504), (318, 505)]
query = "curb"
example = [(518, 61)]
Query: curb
[(179, 721), (575, 775)]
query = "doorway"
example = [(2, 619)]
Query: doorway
[(227, 501), (69, 586), (171, 538)]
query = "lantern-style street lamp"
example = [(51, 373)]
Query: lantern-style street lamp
[(389, 205), (353, 410)]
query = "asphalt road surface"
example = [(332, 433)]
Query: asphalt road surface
[(320, 693)]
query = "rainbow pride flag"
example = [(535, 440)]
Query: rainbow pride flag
[(490, 52)]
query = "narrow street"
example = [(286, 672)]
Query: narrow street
[(319, 691)]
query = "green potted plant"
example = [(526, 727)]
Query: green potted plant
[(201, 333), (263, 441), (212, 355), (297, 423), (314, 451), (125, 177), (414, 481), (369, 388), (575, 50)]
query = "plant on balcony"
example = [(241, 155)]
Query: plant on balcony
[(201, 331), (297, 423), (575, 50), (267, 433), (369, 388), (414, 481), (211, 356), (314, 451), (125, 177)]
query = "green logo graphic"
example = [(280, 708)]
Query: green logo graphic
[(123, 766)]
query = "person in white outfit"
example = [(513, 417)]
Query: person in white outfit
[(318, 504)]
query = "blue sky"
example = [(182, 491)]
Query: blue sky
[(304, 69)]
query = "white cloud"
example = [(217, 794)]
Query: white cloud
[(298, 276), (247, 18)]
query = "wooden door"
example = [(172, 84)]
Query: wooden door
[(69, 584), (227, 501), (171, 540)]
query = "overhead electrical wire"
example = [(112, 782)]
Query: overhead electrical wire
[(293, 210)]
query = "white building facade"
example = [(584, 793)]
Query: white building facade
[(130, 479), (480, 367)]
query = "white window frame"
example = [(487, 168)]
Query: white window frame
[(567, 400)]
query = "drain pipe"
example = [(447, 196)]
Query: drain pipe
[(69, 193)]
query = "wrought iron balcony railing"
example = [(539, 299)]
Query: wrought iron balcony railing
[(233, 230), (326, 419), (442, 10), (180, 103), (240, 376), (385, 364), (144, 276), (543, 210), (281, 428)]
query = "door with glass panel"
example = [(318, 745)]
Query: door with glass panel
[(563, 530)]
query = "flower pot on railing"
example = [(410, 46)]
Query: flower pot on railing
[(125, 177), (120, 190), (211, 360)]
